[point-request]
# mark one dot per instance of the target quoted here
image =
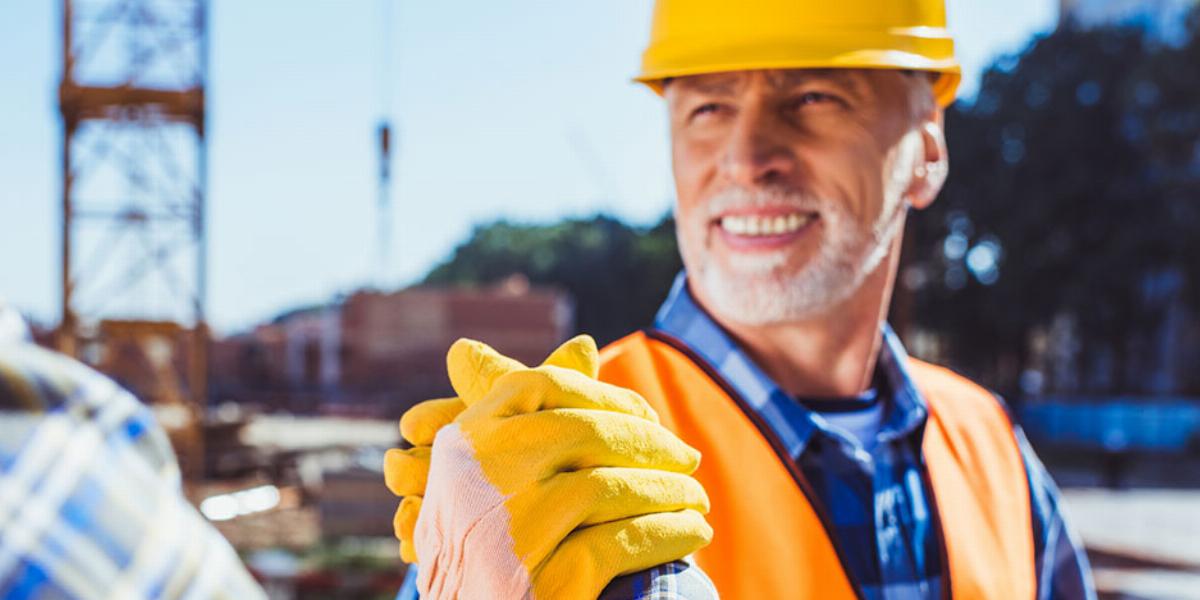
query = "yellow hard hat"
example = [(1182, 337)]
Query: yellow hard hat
[(689, 37)]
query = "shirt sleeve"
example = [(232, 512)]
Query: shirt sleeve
[(679, 580), (1062, 566), (92, 504)]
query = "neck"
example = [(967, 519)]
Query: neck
[(832, 354)]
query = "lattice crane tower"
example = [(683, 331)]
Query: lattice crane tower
[(132, 102)]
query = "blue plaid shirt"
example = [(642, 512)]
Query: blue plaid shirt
[(878, 502), (677, 580), (90, 499)]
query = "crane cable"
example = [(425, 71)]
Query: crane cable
[(384, 138)]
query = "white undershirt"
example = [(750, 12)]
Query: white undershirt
[(861, 425)]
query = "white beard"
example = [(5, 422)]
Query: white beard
[(759, 289)]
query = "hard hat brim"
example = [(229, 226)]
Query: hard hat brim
[(926, 49)]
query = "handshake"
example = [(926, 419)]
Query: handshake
[(540, 482)]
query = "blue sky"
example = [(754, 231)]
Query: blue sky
[(518, 109)]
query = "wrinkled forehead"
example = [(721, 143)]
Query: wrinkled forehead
[(777, 79), (908, 91)]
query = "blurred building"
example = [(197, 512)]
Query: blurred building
[(1120, 413), (375, 353), (1159, 359)]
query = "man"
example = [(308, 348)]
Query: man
[(835, 466), (90, 498)]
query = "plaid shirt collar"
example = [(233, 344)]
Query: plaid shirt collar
[(682, 318)]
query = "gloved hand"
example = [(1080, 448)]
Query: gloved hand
[(406, 471), (547, 484)]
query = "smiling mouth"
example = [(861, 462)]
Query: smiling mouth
[(763, 225)]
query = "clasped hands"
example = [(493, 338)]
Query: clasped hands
[(539, 482)]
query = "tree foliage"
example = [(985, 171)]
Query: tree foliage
[(1079, 161)]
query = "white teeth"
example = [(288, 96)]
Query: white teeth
[(734, 225), (755, 225)]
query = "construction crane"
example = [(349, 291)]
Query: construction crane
[(134, 162)]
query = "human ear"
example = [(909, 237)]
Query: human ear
[(929, 174)]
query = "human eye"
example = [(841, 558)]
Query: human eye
[(705, 110), (811, 99)]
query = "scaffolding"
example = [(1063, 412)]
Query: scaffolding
[(132, 101)]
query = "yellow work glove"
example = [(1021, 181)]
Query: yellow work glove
[(548, 484), (406, 471)]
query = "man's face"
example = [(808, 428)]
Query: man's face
[(791, 184)]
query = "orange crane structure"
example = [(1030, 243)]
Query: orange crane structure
[(134, 251)]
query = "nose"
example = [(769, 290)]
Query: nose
[(754, 155)]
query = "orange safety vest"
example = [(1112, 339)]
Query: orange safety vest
[(770, 541)]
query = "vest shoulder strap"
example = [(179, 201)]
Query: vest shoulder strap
[(980, 486)]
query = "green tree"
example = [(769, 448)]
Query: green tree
[(1076, 170)]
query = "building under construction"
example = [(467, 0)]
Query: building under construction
[(375, 353)]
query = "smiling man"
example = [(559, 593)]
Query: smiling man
[(793, 187), (802, 135)]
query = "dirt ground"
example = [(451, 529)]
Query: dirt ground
[(1143, 543)]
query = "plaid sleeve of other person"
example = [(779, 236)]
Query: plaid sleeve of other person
[(90, 499)]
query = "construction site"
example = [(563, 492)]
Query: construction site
[(280, 424), (279, 430)]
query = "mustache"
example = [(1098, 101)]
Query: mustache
[(740, 198)]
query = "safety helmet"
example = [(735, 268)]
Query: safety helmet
[(690, 37)]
